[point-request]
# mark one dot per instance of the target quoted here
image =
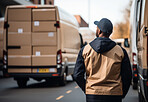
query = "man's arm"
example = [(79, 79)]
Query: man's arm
[(79, 71), (126, 73)]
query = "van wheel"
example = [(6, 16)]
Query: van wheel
[(140, 97), (21, 83), (62, 80)]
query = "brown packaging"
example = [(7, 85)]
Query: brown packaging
[(19, 14), (19, 39), (19, 60), (48, 38), (44, 50), (43, 60), (49, 14), (23, 50), (19, 70), (19, 27), (44, 55), (43, 26)]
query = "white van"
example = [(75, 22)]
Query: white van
[(139, 47), (123, 42), (87, 34), (40, 42)]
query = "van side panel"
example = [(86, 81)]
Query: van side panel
[(70, 39), (70, 36)]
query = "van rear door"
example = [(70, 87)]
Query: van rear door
[(31, 39), (18, 40), (44, 40)]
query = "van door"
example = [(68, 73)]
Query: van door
[(19, 40), (44, 40), (143, 51)]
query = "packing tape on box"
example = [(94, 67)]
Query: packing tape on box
[(36, 23), (50, 34), (45, 55), (20, 33), (38, 53), (20, 30), (19, 56)]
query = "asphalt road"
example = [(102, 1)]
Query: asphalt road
[(47, 92)]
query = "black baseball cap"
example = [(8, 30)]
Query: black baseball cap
[(105, 25)]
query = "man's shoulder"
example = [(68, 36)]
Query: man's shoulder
[(86, 48), (124, 51)]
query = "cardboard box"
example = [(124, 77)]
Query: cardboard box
[(19, 27), (23, 50), (19, 39), (19, 70), (44, 50), (49, 14), (43, 60), (19, 60), (49, 38), (43, 26), (19, 14)]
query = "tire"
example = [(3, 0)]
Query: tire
[(21, 83), (135, 86), (62, 80), (140, 97)]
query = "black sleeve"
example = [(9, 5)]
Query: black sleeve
[(126, 73), (79, 71)]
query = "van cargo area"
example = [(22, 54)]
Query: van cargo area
[(38, 43)]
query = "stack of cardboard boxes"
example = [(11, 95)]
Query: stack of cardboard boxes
[(19, 39), (44, 37), (1, 37), (32, 37)]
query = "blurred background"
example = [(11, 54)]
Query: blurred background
[(85, 12), (88, 11)]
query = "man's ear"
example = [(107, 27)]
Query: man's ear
[(100, 31)]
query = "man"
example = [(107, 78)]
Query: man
[(107, 67)]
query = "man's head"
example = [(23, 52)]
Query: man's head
[(104, 27)]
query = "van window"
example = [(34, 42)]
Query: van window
[(81, 40), (139, 14), (143, 8)]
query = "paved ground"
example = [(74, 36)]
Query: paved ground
[(45, 92)]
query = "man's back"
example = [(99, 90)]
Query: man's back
[(103, 71), (107, 67)]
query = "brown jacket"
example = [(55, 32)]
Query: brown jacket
[(107, 68), (103, 71)]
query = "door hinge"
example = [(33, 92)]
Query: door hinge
[(6, 25)]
